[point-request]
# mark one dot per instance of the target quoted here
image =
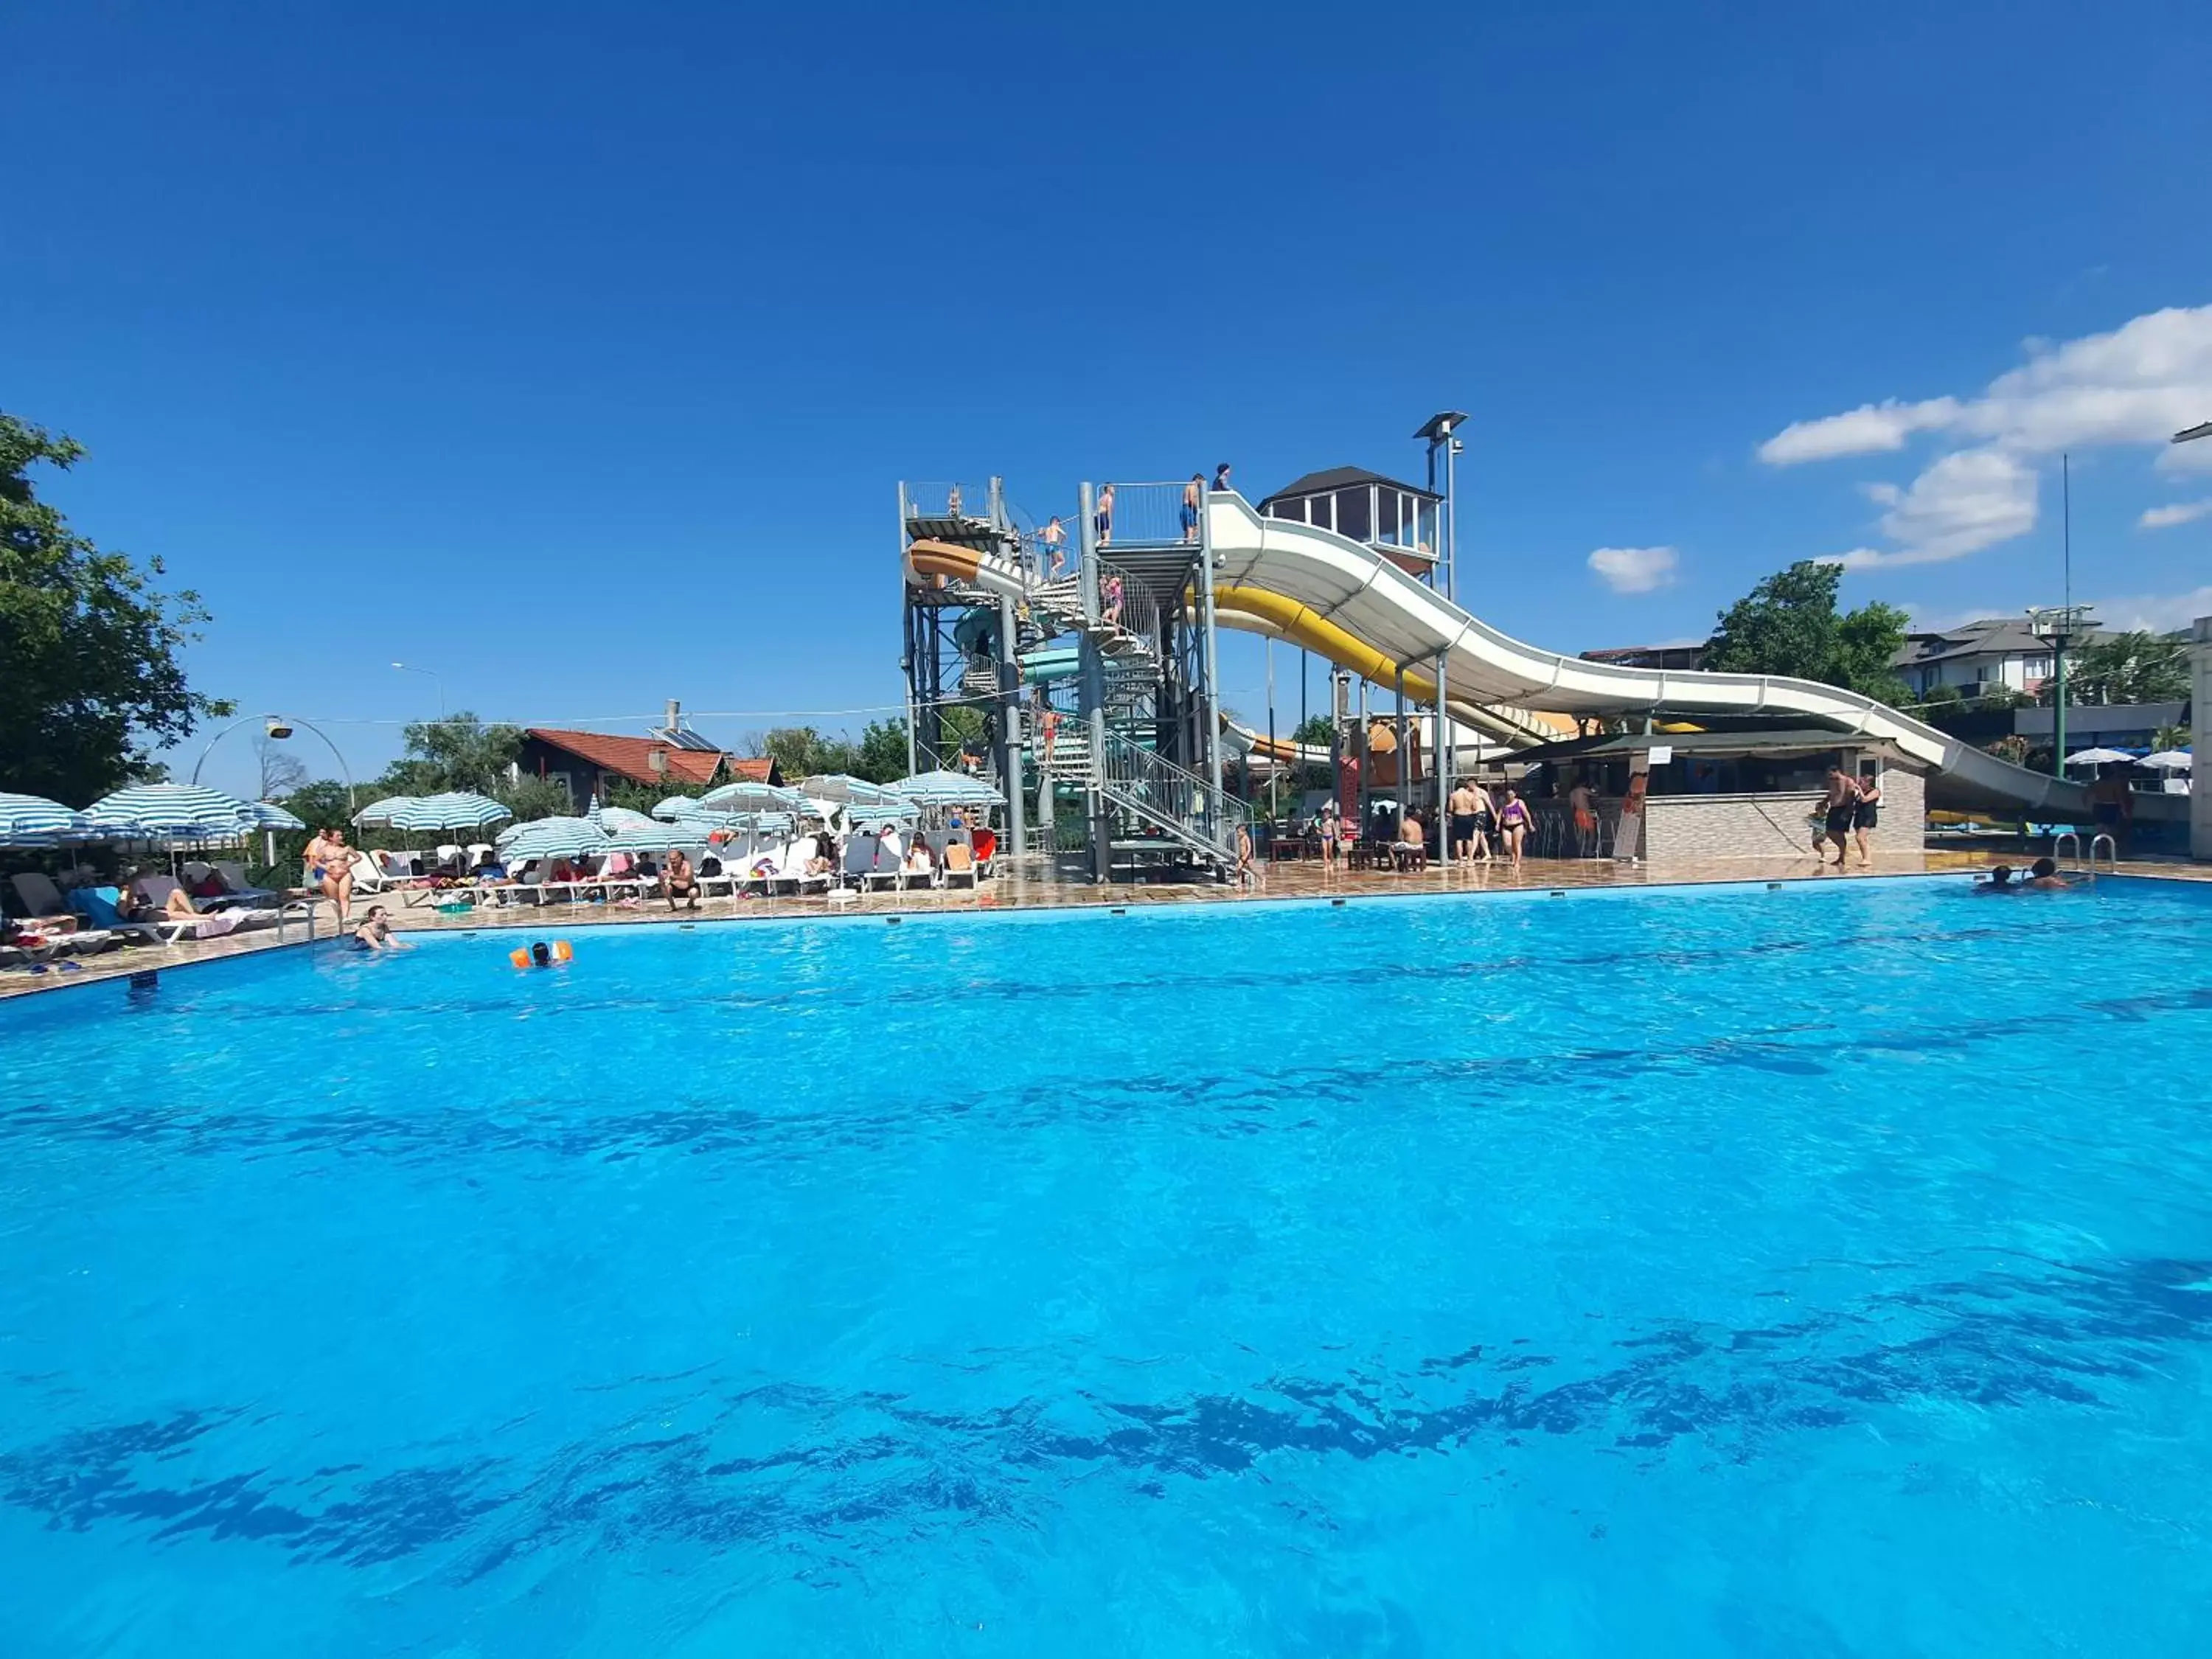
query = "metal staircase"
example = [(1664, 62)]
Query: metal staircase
[(1179, 804)]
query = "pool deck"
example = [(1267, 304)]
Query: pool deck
[(1018, 890)]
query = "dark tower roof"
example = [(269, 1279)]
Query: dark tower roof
[(1343, 478)]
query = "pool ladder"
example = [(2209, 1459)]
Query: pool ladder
[(2101, 839)]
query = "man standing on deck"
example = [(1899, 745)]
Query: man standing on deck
[(1842, 806)]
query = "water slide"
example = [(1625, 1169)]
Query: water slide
[(1309, 584), (1343, 600)]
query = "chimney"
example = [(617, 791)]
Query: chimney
[(675, 715)]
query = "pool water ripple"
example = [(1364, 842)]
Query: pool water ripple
[(1702, 1274)]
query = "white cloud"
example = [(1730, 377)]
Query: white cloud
[(1969, 500), (2164, 518), (1635, 569), (2135, 385), (1868, 429), (2162, 613)]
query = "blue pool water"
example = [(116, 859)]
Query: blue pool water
[(1819, 1271)]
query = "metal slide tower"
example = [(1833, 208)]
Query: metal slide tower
[(1079, 667)]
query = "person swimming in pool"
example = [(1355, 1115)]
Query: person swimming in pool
[(2043, 877), (374, 932), (2000, 881)]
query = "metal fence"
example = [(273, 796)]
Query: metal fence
[(1124, 605), (1161, 789), (1147, 514)]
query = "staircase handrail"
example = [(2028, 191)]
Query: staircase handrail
[(1177, 800)]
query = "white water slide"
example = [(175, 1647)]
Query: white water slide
[(1346, 601)]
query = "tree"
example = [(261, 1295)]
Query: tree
[(804, 752), (1315, 731), (90, 682), (281, 772), (1789, 624), (883, 751), (2133, 666), (2170, 736), (458, 752)]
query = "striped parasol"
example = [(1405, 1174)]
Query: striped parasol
[(34, 821), (949, 789), (551, 838), (456, 808), (172, 811), (268, 815), (858, 793), (747, 796), (619, 820)]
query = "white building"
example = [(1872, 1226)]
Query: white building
[(1977, 657)]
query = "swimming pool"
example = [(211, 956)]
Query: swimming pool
[(1820, 1270)]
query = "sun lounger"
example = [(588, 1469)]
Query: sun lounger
[(959, 863), (44, 902)]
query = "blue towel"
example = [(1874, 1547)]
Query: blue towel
[(97, 905)]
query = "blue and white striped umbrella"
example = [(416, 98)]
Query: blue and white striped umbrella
[(658, 838), (172, 811), (949, 789), (456, 809), (858, 793), (619, 820), (550, 838), (677, 808), (746, 795), (268, 815), (34, 821)]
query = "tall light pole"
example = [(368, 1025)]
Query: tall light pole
[(409, 668), (279, 726)]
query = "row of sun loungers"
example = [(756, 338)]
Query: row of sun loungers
[(101, 924)]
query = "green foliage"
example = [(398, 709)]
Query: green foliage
[(1939, 696), (1788, 625), (1316, 730), (2010, 747), (804, 752), (2002, 700), (2128, 667), (2170, 736), (883, 751), (458, 752), (90, 682)]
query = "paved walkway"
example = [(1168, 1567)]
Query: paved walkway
[(1020, 889)]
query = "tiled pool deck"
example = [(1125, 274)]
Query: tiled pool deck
[(1017, 890)]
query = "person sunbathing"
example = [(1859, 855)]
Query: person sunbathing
[(678, 881), (824, 859), (918, 861)]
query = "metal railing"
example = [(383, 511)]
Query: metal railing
[(1146, 515), (1182, 803), (932, 499), (1124, 606)]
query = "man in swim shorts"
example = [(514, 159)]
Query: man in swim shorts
[(1464, 829), (1841, 807)]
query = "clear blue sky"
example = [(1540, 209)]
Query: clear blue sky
[(574, 351)]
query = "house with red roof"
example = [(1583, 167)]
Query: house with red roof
[(672, 757)]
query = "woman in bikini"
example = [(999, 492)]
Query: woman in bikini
[(1512, 821), (1866, 816)]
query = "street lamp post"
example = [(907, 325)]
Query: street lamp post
[(2059, 626), (279, 726), (409, 668)]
